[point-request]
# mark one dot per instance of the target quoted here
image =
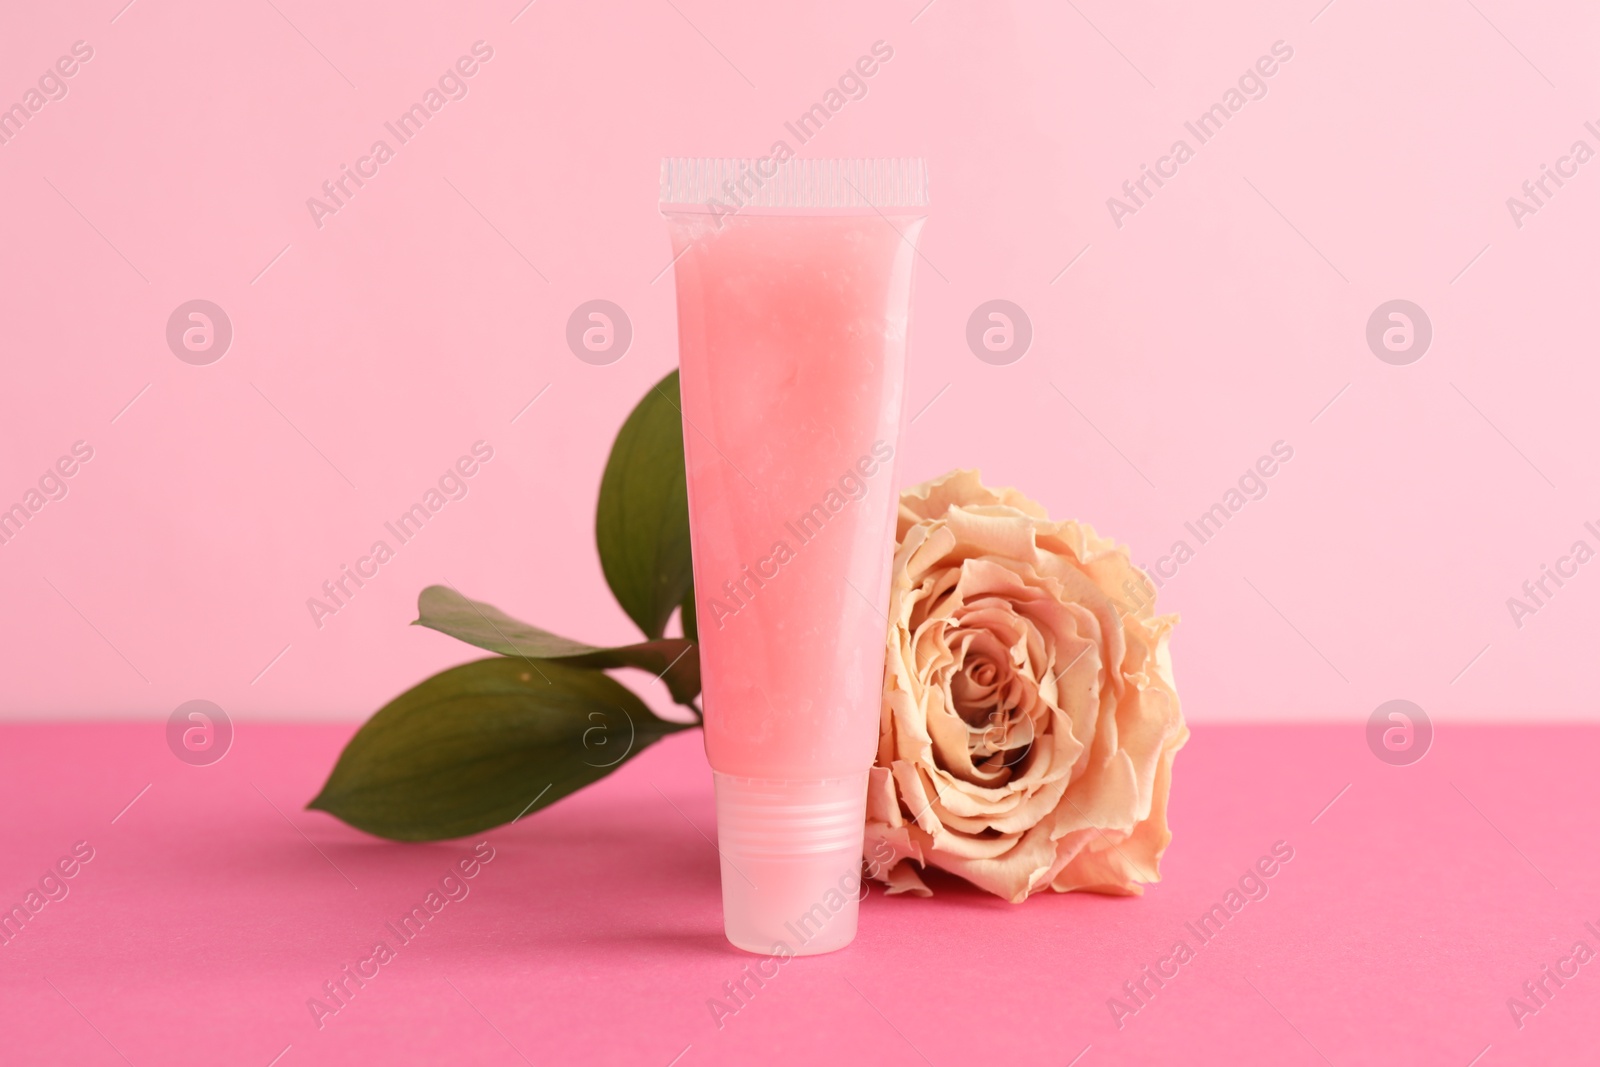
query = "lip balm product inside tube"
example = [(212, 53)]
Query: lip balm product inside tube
[(794, 286)]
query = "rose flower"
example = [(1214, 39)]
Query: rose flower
[(1029, 714)]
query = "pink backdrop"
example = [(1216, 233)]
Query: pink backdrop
[(1172, 345)]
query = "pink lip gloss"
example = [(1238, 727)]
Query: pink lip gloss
[(793, 286)]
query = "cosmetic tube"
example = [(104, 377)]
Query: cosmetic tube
[(793, 288)]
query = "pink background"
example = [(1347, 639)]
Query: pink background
[(424, 315)]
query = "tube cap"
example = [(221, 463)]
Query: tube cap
[(791, 862)]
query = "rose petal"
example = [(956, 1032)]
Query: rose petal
[(1029, 716)]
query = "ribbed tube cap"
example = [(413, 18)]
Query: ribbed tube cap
[(791, 862)]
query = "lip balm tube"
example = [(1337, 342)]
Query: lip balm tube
[(793, 287)]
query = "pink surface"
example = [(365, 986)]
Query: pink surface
[(373, 346), (213, 908)]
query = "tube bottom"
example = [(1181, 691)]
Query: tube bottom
[(791, 862)]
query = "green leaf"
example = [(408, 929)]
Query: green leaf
[(642, 522), (675, 660), (687, 618), (483, 744)]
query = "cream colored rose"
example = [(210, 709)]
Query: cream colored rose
[(1029, 715)]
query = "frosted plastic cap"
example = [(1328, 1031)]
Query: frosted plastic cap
[(791, 862)]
